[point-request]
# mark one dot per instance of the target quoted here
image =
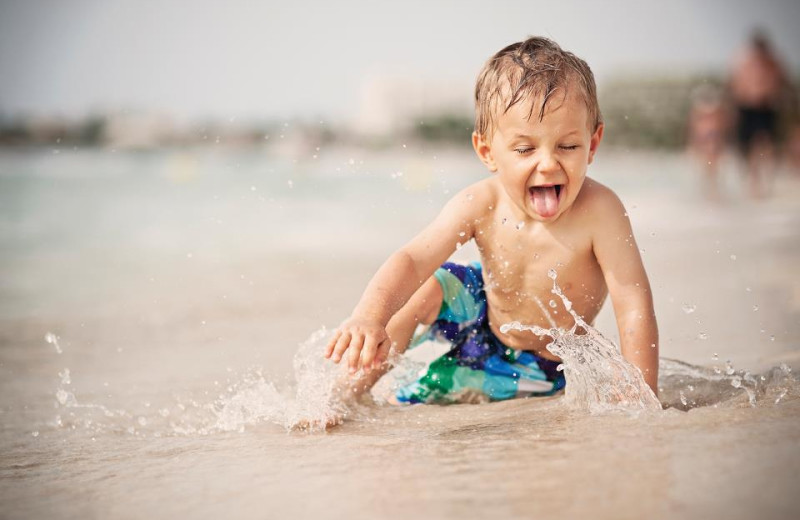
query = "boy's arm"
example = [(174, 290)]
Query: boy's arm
[(628, 285), (399, 277)]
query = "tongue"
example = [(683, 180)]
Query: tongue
[(545, 201)]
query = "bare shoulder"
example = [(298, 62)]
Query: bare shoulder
[(599, 203), (473, 202)]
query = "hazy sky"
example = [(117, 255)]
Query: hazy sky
[(250, 59)]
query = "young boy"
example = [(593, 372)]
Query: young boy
[(537, 128)]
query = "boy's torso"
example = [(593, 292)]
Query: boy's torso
[(516, 256)]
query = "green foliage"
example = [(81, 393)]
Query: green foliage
[(446, 128)]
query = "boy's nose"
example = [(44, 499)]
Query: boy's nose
[(547, 163)]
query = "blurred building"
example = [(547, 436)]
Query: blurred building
[(138, 130), (392, 105)]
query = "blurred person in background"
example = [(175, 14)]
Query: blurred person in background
[(757, 86), (709, 126), (793, 147)]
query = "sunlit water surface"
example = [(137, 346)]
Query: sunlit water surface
[(157, 346)]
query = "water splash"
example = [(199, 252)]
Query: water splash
[(311, 403), (684, 386), (599, 379)]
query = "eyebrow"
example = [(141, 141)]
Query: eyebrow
[(526, 136)]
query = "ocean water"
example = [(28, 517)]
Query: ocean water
[(161, 315)]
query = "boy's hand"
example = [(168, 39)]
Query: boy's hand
[(367, 341)]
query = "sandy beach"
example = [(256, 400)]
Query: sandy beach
[(176, 280)]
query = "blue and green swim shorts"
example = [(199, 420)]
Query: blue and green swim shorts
[(477, 362)]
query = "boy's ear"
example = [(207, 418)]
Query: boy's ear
[(595, 141), (484, 151)]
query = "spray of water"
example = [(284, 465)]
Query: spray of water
[(598, 377), (598, 380), (312, 403)]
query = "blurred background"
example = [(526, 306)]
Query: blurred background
[(296, 74)]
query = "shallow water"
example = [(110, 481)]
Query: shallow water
[(151, 306)]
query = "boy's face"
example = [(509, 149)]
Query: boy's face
[(542, 164)]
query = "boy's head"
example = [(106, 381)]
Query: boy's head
[(535, 70), (537, 125)]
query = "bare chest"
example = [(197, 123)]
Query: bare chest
[(516, 262)]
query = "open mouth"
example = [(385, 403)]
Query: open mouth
[(546, 198)]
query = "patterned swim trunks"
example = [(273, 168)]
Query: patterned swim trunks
[(478, 363)]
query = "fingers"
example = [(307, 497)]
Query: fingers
[(354, 355), (310, 424), (332, 343), (368, 355), (383, 353), (366, 347), (341, 345)]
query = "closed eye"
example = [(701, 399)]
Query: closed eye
[(523, 151), (571, 147)]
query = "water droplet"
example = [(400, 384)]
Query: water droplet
[(142, 421), (62, 396), (747, 289), (35, 434), (736, 382), (772, 338), (684, 402), (462, 234), (551, 273), (733, 257), (729, 368), (504, 221), (715, 356), (702, 336), (470, 196), (755, 308), (520, 225), (688, 308), (553, 304), (53, 340)]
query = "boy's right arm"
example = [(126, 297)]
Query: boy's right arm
[(399, 277)]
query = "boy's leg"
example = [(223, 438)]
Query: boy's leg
[(423, 307)]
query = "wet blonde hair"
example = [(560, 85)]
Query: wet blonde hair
[(534, 69)]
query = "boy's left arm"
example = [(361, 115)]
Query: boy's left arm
[(618, 255)]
